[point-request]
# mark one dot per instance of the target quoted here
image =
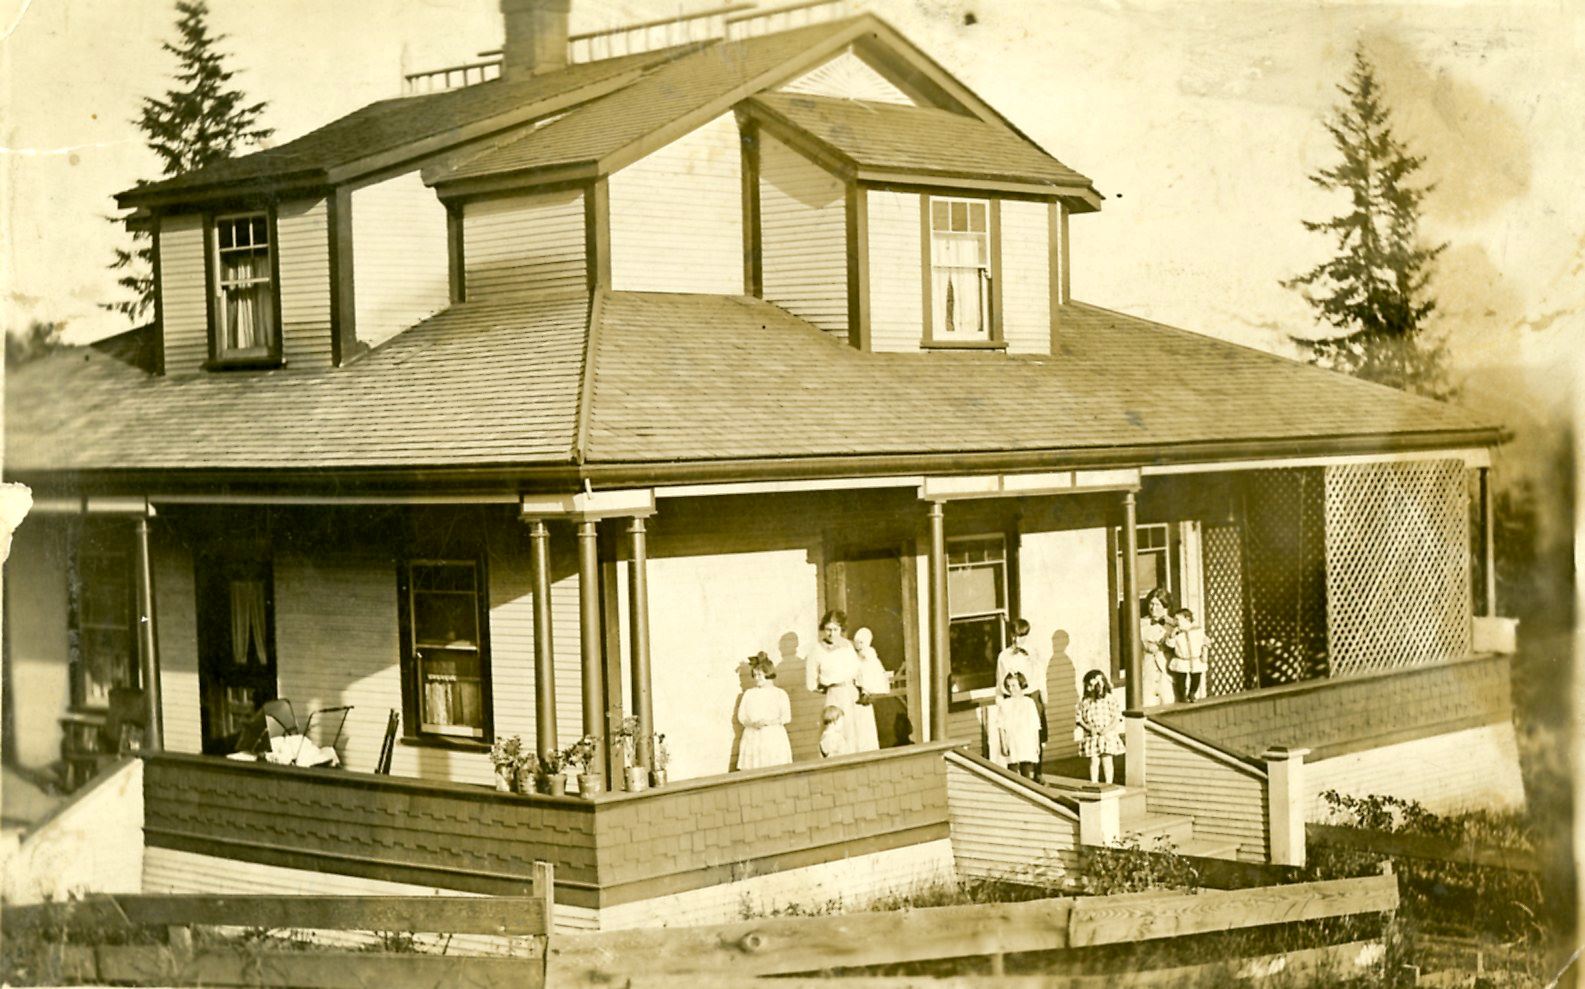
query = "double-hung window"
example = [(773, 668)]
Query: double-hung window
[(245, 311), (103, 613), (978, 607), (960, 270), (448, 675)]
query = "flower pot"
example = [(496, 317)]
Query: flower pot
[(556, 785), (657, 777), (636, 778), (524, 783), (590, 784), (503, 780)]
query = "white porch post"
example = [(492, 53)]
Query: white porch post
[(638, 629), (544, 653), (590, 627), (940, 639), (1285, 803), (148, 643), (1133, 657)]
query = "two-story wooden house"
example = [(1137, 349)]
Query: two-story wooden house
[(525, 406)]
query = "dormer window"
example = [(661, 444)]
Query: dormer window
[(245, 316), (960, 271)]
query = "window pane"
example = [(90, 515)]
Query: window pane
[(974, 645), (960, 216), (227, 233), (261, 233), (975, 590), (977, 220), (445, 618), (938, 215), (453, 692), (443, 577)]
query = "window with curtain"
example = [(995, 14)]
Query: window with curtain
[(978, 609), (1153, 562), (103, 646), (449, 670), (244, 288), (960, 269)]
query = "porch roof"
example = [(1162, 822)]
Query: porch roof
[(698, 381)]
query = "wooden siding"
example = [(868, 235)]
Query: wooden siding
[(94, 842), (803, 216), (176, 622), (184, 299), (302, 226), (524, 242), (1226, 802), (896, 272), (998, 832), (850, 77), (677, 216), (36, 645), (1026, 276), (1477, 768), (399, 261)]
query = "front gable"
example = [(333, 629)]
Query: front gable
[(849, 76)]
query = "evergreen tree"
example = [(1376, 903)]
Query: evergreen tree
[(1374, 292), (200, 121), (40, 339)]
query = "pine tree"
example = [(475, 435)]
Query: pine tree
[(1374, 292), (199, 122)]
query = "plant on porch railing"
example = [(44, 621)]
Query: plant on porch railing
[(661, 756), (635, 777), (584, 755), (506, 755)]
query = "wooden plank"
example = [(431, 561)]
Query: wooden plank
[(1418, 846), (1135, 917), (504, 915), (239, 966), (1337, 960), (803, 944)]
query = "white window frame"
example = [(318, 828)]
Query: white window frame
[(939, 332), (220, 330), (479, 647), (1005, 610)]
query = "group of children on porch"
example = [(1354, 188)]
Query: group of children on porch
[(850, 675)]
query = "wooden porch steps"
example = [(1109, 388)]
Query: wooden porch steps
[(1137, 822)]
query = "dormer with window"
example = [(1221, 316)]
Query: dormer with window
[(244, 310)]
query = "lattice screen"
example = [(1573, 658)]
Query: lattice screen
[(1397, 562), (1222, 554), (1284, 573)]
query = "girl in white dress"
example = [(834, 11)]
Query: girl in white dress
[(1018, 722), (764, 712), (833, 669), (872, 683)]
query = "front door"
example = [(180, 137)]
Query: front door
[(874, 586), (236, 643)]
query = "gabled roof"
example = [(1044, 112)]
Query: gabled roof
[(390, 125), (663, 96), (692, 377), (679, 382), (917, 140)]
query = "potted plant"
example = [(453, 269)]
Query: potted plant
[(506, 755), (634, 776), (550, 777), (584, 754), (527, 772), (662, 758)]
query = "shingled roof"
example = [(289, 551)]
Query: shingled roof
[(664, 95), (919, 140), (680, 379)]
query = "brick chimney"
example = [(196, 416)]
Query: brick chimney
[(536, 37)]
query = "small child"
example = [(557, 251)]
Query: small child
[(1100, 721), (833, 740), (1187, 666), (1018, 721)]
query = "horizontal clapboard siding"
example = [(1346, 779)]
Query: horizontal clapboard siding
[(303, 228), (896, 272), (1026, 277), (803, 233), (524, 242), (399, 258), (998, 832), (677, 216), (1225, 802), (848, 76), (183, 295)]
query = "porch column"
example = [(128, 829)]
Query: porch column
[(1488, 513), (148, 644), (1133, 657), (544, 653), (940, 641), (638, 629), (589, 635)]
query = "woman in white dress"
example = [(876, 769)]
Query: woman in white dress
[(872, 683), (1152, 641), (832, 668), (764, 711)]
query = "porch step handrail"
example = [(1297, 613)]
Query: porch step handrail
[(1245, 764), (1061, 803)]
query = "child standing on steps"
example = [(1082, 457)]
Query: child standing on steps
[(1100, 720), (834, 739), (1018, 721), (1187, 665)]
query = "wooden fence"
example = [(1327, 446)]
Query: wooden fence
[(691, 956), (1420, 846)]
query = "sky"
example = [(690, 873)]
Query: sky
[(1199, 121)]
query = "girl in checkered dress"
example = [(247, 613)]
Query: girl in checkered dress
[(1100, 719)]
